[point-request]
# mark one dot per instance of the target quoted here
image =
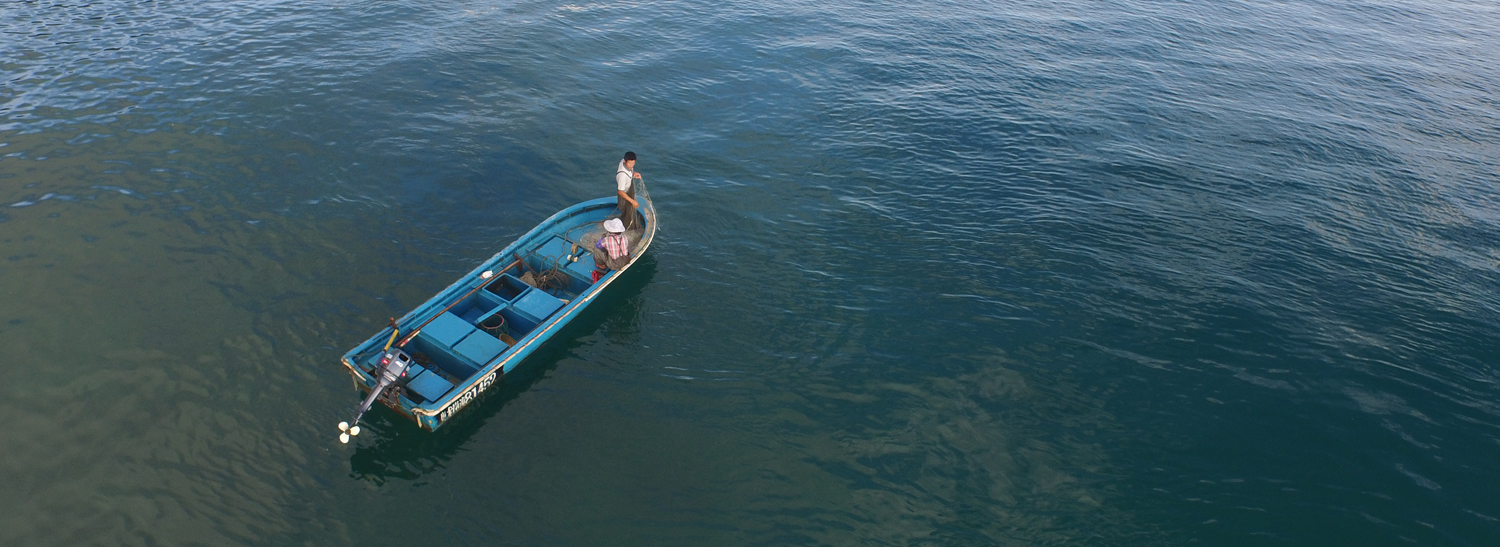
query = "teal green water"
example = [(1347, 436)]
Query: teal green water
[(1024, 273)]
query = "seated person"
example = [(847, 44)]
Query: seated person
[(612, 251)]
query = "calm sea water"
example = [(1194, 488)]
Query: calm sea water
[(1105, 272)]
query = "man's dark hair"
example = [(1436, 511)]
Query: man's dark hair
[(630, 156)]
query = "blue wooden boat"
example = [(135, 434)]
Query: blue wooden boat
[(439, 357)]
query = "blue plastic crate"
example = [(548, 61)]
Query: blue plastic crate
[(584, 268), (481, 347), (430, 385), (448, 329), (537, 304), (555, 248)]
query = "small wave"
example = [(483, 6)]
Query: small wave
[(28, 203), (1424, 482), (125, 191)]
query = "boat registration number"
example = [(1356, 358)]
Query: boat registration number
[(467, 397)]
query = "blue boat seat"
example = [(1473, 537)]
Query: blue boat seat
[(584, 268), (559, 249), (448, 329), (481, 347), (554, 248), (537, 304), (430, 385)]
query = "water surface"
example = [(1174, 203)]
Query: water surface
[(1017, 273)]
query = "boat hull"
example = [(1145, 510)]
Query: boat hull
[(454, 331)]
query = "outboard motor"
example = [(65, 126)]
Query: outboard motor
[(392, 368)]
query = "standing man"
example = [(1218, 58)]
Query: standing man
[(625, 177)]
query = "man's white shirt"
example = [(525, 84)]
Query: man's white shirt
[(622, 178)]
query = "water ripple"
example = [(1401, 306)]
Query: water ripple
[(963, 273)]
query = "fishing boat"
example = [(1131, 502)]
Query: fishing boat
[(435, 360)]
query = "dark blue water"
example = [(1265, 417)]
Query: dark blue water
[(944, 273)]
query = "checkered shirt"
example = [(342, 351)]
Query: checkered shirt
[(615, 244)]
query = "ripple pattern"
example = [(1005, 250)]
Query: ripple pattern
[(1021, 273)]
